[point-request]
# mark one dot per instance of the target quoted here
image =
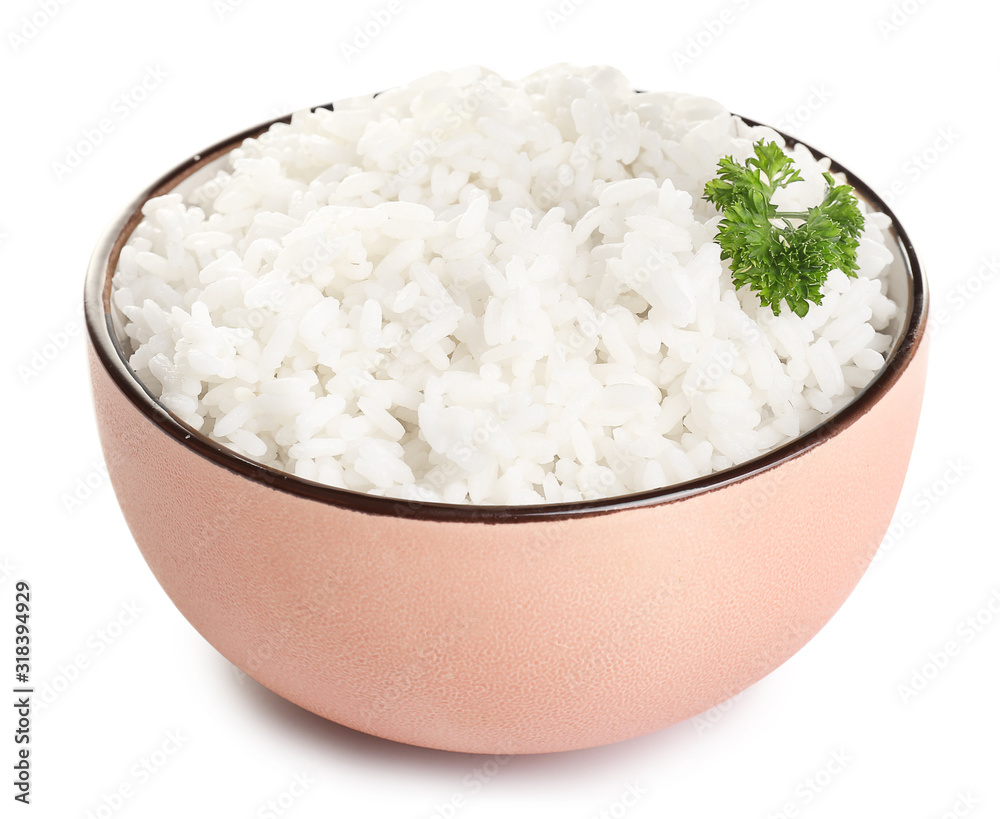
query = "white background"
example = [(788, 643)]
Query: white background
[(904, 94)]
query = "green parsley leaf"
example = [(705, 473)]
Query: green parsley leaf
[(783, 256)]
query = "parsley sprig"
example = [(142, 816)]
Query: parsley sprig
[(782, 255)]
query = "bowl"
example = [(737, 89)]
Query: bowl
[(497, 629)]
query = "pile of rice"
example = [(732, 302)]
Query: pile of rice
[(471, 290)]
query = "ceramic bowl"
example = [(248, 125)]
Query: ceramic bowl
[(506, 629)]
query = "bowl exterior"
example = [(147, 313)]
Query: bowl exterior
[(517, 637)]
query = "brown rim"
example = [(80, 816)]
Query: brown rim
[(102, 336)]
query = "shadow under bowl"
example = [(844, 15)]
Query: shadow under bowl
[(506, 629)]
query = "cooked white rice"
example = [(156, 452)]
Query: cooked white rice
[(478, 291)]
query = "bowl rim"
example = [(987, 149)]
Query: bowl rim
[(109, 353)]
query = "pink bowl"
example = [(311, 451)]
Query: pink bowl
[(506, 629)]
